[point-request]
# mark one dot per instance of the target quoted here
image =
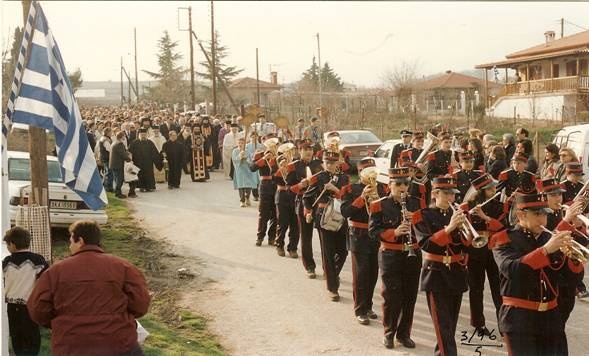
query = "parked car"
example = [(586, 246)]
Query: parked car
[(65, 206), (382, 157), (360, 143), (577, 138)]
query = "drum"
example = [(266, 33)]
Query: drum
[(332, 218)]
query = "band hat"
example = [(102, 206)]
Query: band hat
[(447, 184), (305, 143), (333, 134), (485, 181), (365, 163), (286, 147), (574, 168), (331, 156), (533, 202), (399, 174), (549, 186)]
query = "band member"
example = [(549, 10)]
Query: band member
[(488, 217), (332, 145), (198, 167), (264, 162), (296, 178), (517, 178), (440, 232), (440, 162), (532, 266), (574, 181), (466, 174), (406, 136), (285, 203), (416, 189), (324, 186), (399, 257), (355, 207)]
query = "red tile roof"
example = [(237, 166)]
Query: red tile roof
[(451, 80), (250, 83)]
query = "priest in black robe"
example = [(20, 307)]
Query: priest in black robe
[(174, 152), (145, 156)]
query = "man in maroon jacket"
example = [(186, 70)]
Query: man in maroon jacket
[(91, 299)]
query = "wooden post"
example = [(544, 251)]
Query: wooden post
[(486, 90), (37, 147), (551, 74), (528, 76)]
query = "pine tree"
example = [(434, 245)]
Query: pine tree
[(330, 81), (224, 71), (9, 58), (171, 87)]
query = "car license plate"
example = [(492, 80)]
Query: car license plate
[(63, 204)]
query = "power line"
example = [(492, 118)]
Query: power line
[(573, 24)]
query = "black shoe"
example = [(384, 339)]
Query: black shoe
[(388, 343), (270, 242), (480, 331), (142, 190), (407, 342), (363, 319), (132, 195), (371, 314), (256, 198), (258, 242), (121, 196), (311, 274), (582, 294), (280, 251), (334, 296), (170, 187), (109, 190)]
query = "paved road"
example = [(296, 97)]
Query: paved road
[(262, 304)]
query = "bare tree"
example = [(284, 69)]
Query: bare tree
[(401, 81)]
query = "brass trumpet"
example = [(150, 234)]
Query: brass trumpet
[(468, 231), (575, 251)]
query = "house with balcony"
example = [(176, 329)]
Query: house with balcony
[(551, 80)]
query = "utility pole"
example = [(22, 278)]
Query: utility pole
[(122, 93), (213, 59), (37, 146), (561, 27), (136, 77), (257, 80), (192, 100), (319, 60)]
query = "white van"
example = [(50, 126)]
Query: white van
[(577, 138)]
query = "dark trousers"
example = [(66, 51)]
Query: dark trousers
[(364, 277), (399, 292), (333, 255), (476, 284), (287, 220), (244, 194), (174, 175), (444, 308), (566, 303), (107, 181), (548, 343), (306, 233), (267, 215), (24, 333), (255, 193), (132, 186), (118, 176)]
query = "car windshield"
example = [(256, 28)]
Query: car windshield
[(19, 169), (358, 137)]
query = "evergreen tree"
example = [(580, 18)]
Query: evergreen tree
[(224, 71), (330, 81), (9, 58), (171, 87)]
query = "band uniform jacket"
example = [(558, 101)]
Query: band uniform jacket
[(463, 181), (527, 274), (397, 149), (297, 171), (572, 189), (498, 212), (437, 276), (266, 170), (419, 191), (355, 208), (512, 180), (315, 192), (385, 217), (439, 163)]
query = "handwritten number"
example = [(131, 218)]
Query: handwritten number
[(464, 336), (492, 336), (479, 351)]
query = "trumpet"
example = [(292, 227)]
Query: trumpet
[(473, 210), (575, 251), (468, 231), (408, 241)]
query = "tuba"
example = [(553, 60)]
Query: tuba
[(431, 147)]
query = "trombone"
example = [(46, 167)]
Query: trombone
[(574, 251), (468, 231)]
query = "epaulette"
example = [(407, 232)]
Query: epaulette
[(376, 206), (500, 238)]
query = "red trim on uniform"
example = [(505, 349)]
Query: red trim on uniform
[(347, 189), (502, 176), (313, 180), (375, 207), (464, 207), (529, 304), (307, 211), (338, 194), (494, 225), (536, 259), (261, 162), (443, 185), (388, 235), (357, 224), (498, 239), (440, 238), (266, 177), (564, 226), (385, 245), (431, 157), (533, 204), (575, 267), (359, 202), (296, 188), (434, 314), (417, 217)]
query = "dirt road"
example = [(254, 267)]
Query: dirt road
[(263, 304)]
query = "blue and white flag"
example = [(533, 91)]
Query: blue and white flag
[(42, 96)]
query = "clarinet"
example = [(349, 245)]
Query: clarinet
[(408, 241)]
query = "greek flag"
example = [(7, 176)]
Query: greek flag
[(42, 96)]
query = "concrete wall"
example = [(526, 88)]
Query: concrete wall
[(538, 106)]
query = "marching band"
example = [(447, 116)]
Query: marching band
[(441, 225)]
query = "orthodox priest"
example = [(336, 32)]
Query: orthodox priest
[(173, 150), (145, 156), (198, 166)]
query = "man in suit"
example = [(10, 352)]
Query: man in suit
[(406, 136), (170, 125)]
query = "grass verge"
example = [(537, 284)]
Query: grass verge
[(173, 330)]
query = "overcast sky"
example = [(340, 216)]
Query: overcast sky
[(360, 40)]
